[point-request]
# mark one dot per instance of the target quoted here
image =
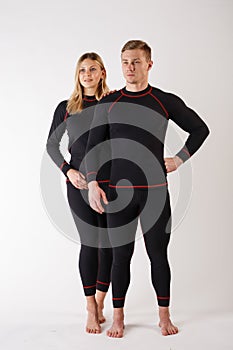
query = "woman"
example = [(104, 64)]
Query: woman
[(75, 117)]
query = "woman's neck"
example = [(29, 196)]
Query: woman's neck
[(89, 91)]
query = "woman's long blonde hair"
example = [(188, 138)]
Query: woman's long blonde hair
[(75, 103)]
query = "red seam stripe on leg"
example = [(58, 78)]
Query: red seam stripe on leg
[(106, 284), (165, 298), (90, 286)]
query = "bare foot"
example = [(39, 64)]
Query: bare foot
[(167, 327), (117, 329), (101, 317), (100, 296), (93, 325)]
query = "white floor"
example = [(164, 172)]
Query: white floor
[(65, 331)]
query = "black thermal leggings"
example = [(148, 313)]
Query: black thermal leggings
[(153, 208), (95, 259)]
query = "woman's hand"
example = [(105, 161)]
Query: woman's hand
[(108, 93), (172, 164), (77, 179)]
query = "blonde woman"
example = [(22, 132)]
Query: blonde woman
[(75, 117)]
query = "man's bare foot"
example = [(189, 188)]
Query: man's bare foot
[(93, 325), (100, 296), (117, 329), (167, 327)]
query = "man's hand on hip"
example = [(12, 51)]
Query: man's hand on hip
[(173, 163), (95, 195)]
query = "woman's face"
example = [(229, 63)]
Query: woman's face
[(90, 74)]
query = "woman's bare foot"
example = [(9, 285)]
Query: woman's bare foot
[(117, 329), (100, 296), (101, 317), (167, 327), (93, 325)]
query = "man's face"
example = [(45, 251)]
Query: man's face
[(135, 66)]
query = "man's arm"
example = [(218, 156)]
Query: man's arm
[(173, 163), (98, 134), (187, 119)]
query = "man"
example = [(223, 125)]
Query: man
[(135, 119)]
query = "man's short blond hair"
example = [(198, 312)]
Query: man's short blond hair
[(138, 44)]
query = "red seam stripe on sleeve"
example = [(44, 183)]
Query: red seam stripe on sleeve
[(118, 298), (166, 112), (184, 150), (66, 115), (62, 165), (118, 98)]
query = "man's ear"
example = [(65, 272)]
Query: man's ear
[(150, 64)]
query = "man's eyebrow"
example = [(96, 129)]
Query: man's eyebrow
[(134, 59)]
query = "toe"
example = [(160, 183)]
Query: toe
[(164, 331)]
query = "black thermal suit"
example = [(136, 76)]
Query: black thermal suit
[(95, 257), (136, 124)]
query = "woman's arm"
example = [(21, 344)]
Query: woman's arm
[(57, 130)]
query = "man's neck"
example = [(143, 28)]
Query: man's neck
[(136, 87)]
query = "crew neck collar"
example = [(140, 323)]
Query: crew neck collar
[(146, 91), (89, 97)]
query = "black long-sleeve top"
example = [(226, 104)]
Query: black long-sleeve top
[(77, 127), (136, 123)]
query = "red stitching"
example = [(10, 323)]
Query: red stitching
[(86, 99), (186, 152), (66, 115), (62, 165), (106, 284), (138, 186), (133, 96), (163, 298), (118, 98), (90, 286), (167, 115)]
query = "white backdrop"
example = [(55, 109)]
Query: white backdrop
[(192, 53)]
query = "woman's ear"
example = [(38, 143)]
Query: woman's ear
[(103, 73)]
